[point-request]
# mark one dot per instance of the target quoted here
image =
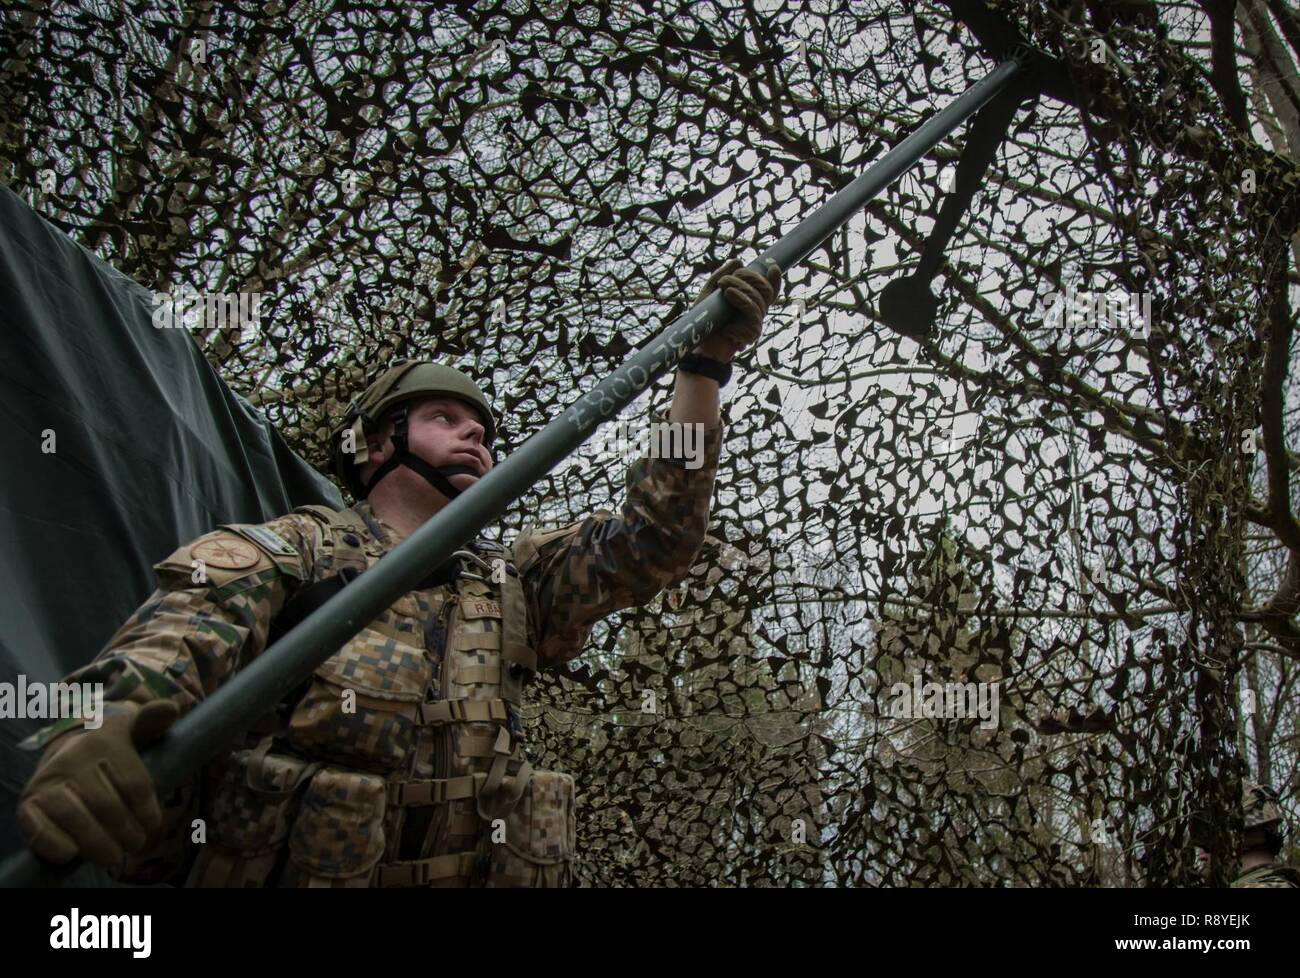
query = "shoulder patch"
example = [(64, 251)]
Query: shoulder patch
[(226, 554), (268, 540)]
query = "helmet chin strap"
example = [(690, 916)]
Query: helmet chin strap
[(438, 478)]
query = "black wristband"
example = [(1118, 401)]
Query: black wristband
[(693, 363)]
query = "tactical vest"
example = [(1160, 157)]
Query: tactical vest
[(400, 763)]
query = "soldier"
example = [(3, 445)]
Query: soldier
[(400, 761), (1262, 839)]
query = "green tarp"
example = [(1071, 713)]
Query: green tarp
[(119, 442)]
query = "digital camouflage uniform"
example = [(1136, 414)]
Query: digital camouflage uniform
[(423, 781), (1261, 812), (1270, 877)]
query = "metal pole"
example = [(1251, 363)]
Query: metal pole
[(214, 724)]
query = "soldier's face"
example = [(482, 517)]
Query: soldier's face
[(442, 431), (1202, 864), (445, 431)]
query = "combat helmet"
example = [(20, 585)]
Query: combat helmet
[(391, 391), (1260, 810)]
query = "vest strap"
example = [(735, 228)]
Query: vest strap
[(348, 561), (478, 674), (418, 872), (499, 792), (471, 745), (414, 794), (461, 711)]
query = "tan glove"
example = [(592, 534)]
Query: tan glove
[(91, 795), (747, 291)]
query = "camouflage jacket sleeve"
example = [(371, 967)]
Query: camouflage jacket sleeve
[(209, 616), (577, 574)]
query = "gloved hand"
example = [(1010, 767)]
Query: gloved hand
[(91, 795), (747, 291)]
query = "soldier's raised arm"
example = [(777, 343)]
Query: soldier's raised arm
[(577, 574)]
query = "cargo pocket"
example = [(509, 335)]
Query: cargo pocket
[(338, 837), (360, 708), (248, 826), (534, 845)]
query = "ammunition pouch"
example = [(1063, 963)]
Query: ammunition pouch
[(254, 800), (360, 707), (338, 837), (536, 843)]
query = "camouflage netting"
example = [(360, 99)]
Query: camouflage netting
[(1078, 512)]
